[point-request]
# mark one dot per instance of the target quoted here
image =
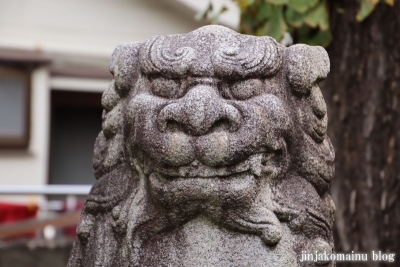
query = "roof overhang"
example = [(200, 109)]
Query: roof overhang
[(23, 57)]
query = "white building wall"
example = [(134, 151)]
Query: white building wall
[(92, 27), (60, 28), (30, 167)]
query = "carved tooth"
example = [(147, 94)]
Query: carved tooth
[(255, 164)]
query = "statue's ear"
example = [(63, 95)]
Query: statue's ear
[(115, 182), (124, 66), (305, 66)]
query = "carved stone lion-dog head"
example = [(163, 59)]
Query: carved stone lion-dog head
[(215, 129)]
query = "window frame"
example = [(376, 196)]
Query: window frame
[(18, 142)]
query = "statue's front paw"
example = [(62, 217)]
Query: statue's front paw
[(260, 221), (271, 235)]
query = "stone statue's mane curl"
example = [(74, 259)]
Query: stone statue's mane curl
[(237, 56)]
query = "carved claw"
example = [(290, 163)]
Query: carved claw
[(260, 221), (271, 235), (265, 224)]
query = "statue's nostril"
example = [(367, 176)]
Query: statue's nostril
[(221, 125), (199, 112), (232, 115), (167, 116), (174, 126), (173, 118)]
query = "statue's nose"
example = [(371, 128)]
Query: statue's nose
[(200, 110)]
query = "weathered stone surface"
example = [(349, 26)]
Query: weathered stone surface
[(213, 153)]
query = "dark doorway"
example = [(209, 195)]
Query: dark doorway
[(75, 124)]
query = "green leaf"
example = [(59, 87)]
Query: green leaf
[(302, 6), (277, 2), (294, 18), (244, 3), (311, 36), (318, 16), (246, 23), (304, 32), (312, 18), (275, 26), (322, 38), (265, 11), (324, 20), (367, 6), (390, 2)]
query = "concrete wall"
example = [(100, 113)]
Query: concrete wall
[(88, 26)]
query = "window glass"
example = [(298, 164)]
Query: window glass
[(14, 104), (76, 122)]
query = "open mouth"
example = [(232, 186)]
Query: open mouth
[(255, 164)]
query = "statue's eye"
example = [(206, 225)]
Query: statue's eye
[(224, 89), (245, 89), (166, 88)]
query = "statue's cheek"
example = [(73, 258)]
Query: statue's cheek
[(146, 106), (141, 114)]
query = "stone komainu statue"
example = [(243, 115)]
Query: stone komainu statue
[(213, 153)]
